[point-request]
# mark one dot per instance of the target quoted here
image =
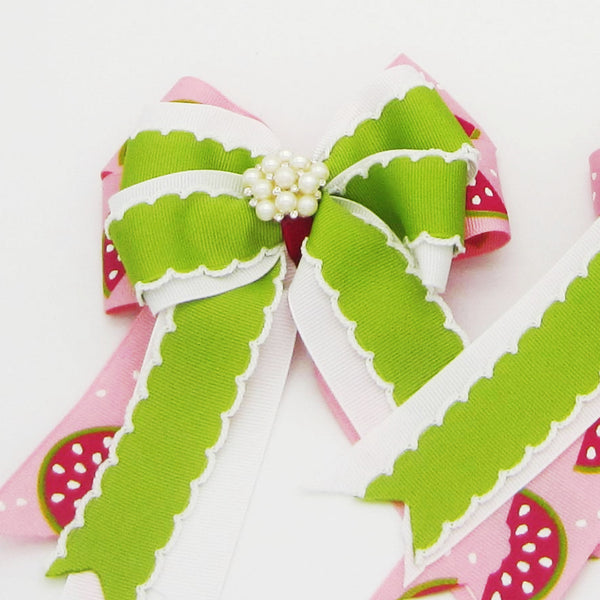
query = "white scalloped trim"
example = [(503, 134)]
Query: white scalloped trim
[(206, 121), (350, 326), (393, 83), (182, 184), (165, 324), (235, 274), (425, 557), (466, 153), (392, 241), (377, 452), (213, 525), (225, 418), (326, 338), (426, 238)]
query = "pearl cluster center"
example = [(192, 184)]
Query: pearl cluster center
[(285, 184)]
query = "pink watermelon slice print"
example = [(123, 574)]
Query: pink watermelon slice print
[(588, 460), (482, 196), (469, 128), (111, 265), (68, 471), (538, 549), (430, 588)]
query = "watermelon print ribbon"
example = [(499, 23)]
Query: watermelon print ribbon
[(404, 196)]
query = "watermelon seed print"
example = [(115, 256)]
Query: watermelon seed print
[(68, 471), (112, 266), (588, 459), (482, 195), (537, 554)]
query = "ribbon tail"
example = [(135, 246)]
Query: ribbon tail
[(375, 332), (519, 396), (211, 531), (490, 559), (36, 501), (196, 372)]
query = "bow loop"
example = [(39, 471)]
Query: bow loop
[(180, 222), (403, 155)]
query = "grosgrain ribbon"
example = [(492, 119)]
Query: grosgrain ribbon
[(406, 148)]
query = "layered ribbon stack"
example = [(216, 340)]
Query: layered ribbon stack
[(169, 439)]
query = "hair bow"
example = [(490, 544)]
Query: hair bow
[(172, 455)]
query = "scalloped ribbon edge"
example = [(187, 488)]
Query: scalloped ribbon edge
[(232, 130), (165, 325), (393, 83), (455, 242), (182, 184), (376, 453), (392, 240), (466, 153), (535, 458), (211, 453), (211, 530), (362, 420), (315, 312), (366, 356), (174, 287)]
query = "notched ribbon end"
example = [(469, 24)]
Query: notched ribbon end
[(434, 262)]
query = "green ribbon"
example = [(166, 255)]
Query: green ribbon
[(206, 349), (412, 197)]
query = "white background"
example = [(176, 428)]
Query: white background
[(74, 77)]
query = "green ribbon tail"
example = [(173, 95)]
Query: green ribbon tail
[(377, 289), (516, 408), (194, 373)]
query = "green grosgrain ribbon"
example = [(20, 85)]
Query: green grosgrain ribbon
[(417, 166), (205, 349), (205, 345), (412, 193)]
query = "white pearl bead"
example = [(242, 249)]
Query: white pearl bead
[(285, 177), (307, 206), (251, 176), (285, 155), (270, 163), (262, 189), (308, 183), (319, 170), (286, 202), (265, 210), (300, 162)]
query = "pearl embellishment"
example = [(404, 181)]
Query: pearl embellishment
[(285, 184)]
